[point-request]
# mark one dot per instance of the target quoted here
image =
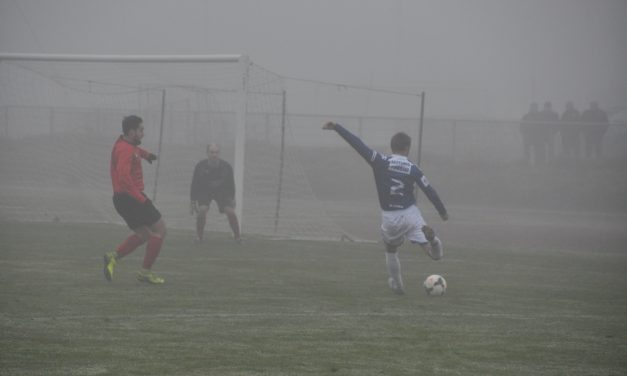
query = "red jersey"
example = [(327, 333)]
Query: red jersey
[(126, 169)]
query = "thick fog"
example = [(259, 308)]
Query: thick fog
[(480, 63), (533, 252), (473, 58)]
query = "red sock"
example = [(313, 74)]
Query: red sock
[(152, 251), (129, 245)]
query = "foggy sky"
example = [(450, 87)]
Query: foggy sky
[(473, 58)]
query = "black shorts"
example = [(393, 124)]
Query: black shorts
[(223, 201), (134, 213)]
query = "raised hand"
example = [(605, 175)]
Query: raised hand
[(329, 125)]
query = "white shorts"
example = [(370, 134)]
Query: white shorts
[(400, 224)]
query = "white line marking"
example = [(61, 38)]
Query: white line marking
[(253, 315)]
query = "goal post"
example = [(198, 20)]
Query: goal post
[(61, 114), (240, 140)]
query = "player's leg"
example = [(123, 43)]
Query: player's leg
[(130, 244), (155, 230), (156, 234), (233, 222), (128, 208), (433, 247), (227, 206), (392, 230), (393, 264), (126, 247), (201, 220), (423, 235)]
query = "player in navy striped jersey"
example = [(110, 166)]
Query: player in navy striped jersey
[(396, 177)]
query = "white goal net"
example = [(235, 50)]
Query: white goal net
[(60, 115)]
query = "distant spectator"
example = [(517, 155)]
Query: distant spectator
[(594, 125), (528, 131), (550, 128), (570, 131)]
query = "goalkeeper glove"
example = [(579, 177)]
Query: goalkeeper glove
[(151, 157)]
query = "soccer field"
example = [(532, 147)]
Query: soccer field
[(286, 307)]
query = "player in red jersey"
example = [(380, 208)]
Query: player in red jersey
[(132, 204)]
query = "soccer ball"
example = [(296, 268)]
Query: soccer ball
[(435, 285)]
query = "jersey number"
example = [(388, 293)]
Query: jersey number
[(397, 188)]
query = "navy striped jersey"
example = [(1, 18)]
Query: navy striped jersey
[(394, 175)]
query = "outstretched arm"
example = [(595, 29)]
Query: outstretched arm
[(368, 154), (147, 155), (431, 193), (435, 200)]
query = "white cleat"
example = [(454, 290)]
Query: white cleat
[(435, 246)]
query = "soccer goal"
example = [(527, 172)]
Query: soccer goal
[(60, 114)]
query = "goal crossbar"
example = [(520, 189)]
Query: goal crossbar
[(124, 58)]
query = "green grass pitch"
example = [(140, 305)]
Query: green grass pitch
[(287, 307)]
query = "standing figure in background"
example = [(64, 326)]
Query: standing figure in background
[(570, 131), (594, 124), (551, 126), (132, 204), (527, 131), (213, 180), (396, 177)]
